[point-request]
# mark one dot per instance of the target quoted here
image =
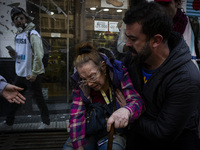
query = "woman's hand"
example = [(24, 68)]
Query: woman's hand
[(120, 118), (120, 98)]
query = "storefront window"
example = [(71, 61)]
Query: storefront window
[(62, 24)]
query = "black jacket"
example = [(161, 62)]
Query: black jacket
[(172, 95)]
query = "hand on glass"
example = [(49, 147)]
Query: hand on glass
[(120, 98), (11, 94)]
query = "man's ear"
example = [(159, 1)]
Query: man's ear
[(156, 40)]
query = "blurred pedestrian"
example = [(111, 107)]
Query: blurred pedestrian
[(187, 26), (29, 68)]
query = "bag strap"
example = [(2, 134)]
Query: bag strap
[(29, 36), (29, 39)]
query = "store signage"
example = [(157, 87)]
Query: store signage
[(113, 26), (105, 26), (55, 35), (100, 25)]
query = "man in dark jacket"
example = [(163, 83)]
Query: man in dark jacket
[(161, 70)]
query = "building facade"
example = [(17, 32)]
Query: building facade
[(63, 24)]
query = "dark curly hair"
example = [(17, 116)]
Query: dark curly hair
[(153, 18)]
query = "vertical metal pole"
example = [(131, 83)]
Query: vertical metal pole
[(83, 35), (68, 52)]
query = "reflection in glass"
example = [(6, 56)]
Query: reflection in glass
[(63, 24)]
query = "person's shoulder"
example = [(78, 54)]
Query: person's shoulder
[(187, 73), (35, 32), (34, 35), (193, 72)]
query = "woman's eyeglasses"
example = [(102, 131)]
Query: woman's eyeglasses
[(92, 78)]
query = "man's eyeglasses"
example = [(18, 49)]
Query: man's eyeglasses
[(92, 78), (19, 18)]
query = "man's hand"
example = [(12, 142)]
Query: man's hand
[(120, 118), (31, 78), (11, 93), (12, 53), (120, 98)]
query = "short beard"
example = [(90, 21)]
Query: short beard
[(142, 56)]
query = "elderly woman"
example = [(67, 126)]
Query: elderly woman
[(102, 82)]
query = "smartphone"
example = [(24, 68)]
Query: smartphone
[(102, 141), (9, 48)]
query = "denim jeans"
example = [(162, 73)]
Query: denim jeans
[(119, 143)]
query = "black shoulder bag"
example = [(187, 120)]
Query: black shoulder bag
[(96, 114)]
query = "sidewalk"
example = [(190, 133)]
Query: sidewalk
[(53, 140), (32, 123)]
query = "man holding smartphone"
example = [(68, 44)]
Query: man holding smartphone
[(29, 68)]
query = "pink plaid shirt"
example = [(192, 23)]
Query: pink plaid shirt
[(135, 105)]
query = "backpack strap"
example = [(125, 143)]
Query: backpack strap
[(33, 31), (29, 39), (29, 36)]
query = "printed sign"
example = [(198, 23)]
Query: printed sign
[(113, 27), (100, 25)]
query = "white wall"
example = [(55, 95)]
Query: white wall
[(7, 29)]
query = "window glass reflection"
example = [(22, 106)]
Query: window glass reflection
[(63, 24)]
